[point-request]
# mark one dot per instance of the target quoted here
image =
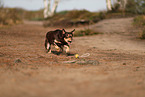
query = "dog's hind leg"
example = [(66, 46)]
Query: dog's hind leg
[(45, 44), (47, 47)]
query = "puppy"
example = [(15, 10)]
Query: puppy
[(60, 39)]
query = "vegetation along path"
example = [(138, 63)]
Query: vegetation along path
[(115, 66)]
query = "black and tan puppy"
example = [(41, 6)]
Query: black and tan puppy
[(60, 39)]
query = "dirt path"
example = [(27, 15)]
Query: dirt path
[(118, 34), (115, 67)]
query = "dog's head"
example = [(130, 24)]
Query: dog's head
[(68, 36)]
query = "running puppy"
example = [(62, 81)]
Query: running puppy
[(60, 39)]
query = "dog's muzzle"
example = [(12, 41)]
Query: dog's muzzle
[(69, 41)]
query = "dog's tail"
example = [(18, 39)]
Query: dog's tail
[(45, 43)]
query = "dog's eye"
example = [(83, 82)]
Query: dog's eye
[(69, 35)]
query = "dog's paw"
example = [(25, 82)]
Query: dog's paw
[(48, 51), (67, 54)]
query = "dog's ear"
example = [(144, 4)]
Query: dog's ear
[(73, 31), (63, 31)]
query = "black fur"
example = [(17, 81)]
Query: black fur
[(58, 38)]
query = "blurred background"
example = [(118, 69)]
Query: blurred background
[(69, 12), (91, 5)]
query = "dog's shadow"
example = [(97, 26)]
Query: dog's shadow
[(62, 53)]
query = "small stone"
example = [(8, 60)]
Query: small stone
[(68, 62), (17, 61), (124, 63), (81, 62), (93, 62)]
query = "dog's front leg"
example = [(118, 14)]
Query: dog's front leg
[(67, 49), (58, 47)]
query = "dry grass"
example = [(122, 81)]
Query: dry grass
[(9, 16)]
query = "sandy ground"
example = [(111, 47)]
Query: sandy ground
[(115, 67)]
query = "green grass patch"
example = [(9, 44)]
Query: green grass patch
[(139, 21), (73, 18), (142, 34)]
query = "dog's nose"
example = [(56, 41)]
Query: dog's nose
[(69, 41)]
